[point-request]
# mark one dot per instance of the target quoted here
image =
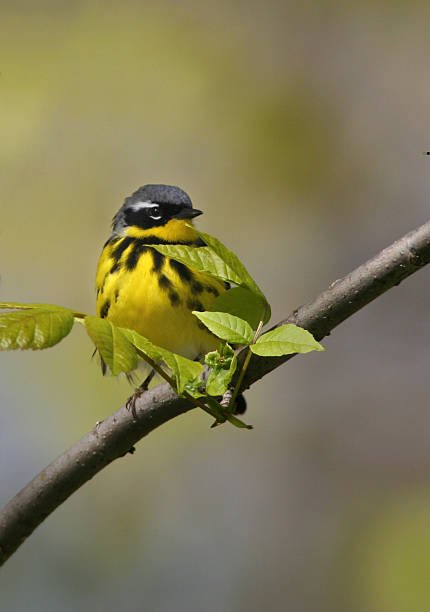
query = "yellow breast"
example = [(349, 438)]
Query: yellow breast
[(140, 289)]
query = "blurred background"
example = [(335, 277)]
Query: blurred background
[(299, 128)]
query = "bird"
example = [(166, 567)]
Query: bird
[(139, 288)]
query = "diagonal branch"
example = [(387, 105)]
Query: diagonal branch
[(349, 294), (116, 435)]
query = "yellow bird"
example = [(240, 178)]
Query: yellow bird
[(141, 289)]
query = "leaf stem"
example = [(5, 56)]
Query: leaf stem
[(155, 366), (245, 365)]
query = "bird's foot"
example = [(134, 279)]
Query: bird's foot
[(131, 402)]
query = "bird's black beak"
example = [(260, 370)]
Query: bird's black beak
[(188, 213)]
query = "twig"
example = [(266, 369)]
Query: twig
[(113, 437)]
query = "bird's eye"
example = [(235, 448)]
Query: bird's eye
[(154, 212)]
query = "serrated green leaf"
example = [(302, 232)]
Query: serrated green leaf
[(226, 326), (114, 347), (285, 340), (144, 345), (241, 302), (185, 371), (34, 329), (220, 377), (233, 262), (217, 260), (202, 259)]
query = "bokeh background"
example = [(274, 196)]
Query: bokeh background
[(299, 128)]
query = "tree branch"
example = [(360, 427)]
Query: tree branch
[(115, 436), (348, 295)]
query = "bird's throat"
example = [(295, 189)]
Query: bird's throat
[(175, 231)]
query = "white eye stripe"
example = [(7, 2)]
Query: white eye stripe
[(142, 205)]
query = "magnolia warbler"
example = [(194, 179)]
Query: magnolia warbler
[(141, 289)]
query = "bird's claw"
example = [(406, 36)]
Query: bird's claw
[(131, 402)]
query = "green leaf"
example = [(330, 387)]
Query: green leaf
[(34, 329), (143, 345), (185, 371), (226, 326), (242, 303), (220, 376), (114, 347), (233, 262), (223, 364), (202, 259), (35, 306), (285, 340), (217, 260)]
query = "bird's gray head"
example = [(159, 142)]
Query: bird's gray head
[(153, 206)]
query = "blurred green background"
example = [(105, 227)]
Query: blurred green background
[(299, 129)]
